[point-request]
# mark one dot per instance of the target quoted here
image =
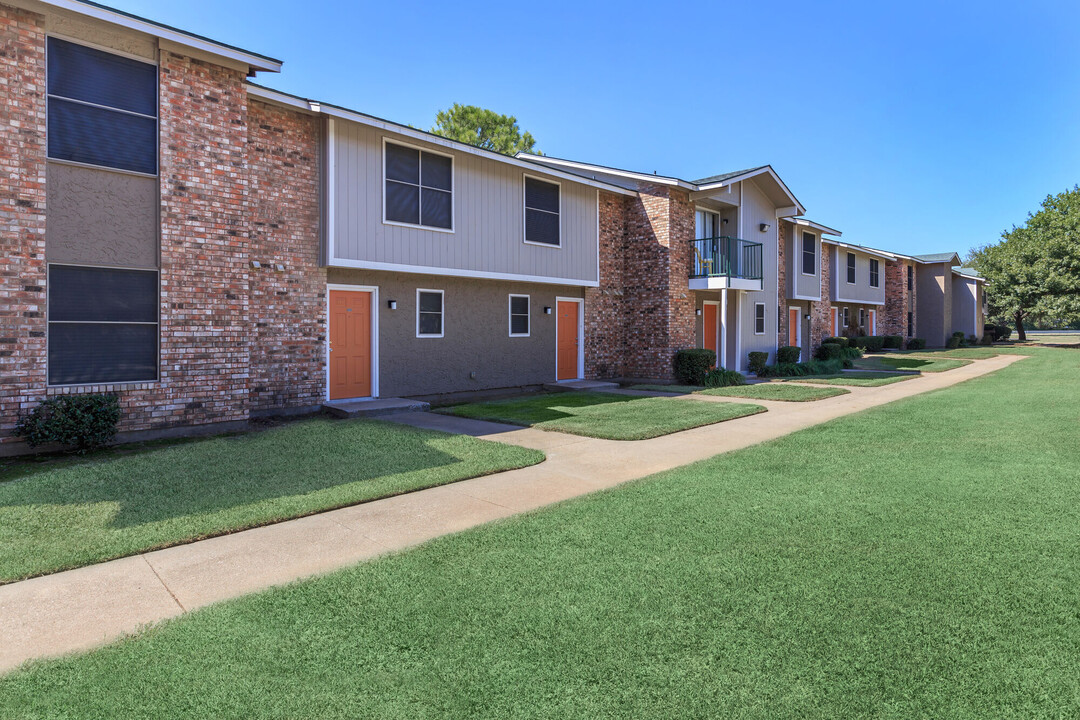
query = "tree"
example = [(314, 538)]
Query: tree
[(484, 128), (1034, 271)]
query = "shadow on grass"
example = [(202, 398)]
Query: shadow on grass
[(537, 409)]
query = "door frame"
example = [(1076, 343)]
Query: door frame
[(798, 326), (872, 322), (374, 290), (719, 326), (834, 317), (580, 336)]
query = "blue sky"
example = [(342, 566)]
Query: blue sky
[(916, 126)]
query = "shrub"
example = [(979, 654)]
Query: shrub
[(841, 341), (987, 339), (894, 342), (757, 361), (692, 365), (829, 351), (811, 367), (724, 378), (953, 342), (869, 343), (788, 354), (1002, 332), (916, 344), (79, 422), (958, 334)]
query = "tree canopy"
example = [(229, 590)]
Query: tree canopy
[(484, 128), (1033, 272)]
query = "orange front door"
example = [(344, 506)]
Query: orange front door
[(350, 344), (835, 330), (793, 326), (709, 335), (873, 322), (566, 331)]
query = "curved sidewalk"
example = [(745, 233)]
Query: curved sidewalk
[(80, 609)]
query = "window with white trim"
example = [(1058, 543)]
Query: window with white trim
[(542, 211), (759, 318), (103, 325), (862, 319), (519, 316), (429, 313), (851, 268), (875, 269), (101, 108), (809, 253), (418, 187)]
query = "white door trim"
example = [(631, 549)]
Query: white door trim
[(374, 290), (580, 335)]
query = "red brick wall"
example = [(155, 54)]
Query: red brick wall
[(898, 300), (821, 313), (22, 204), (605, 322), (288, 307), (783, 321)]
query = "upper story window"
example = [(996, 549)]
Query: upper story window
[(875, 278), (429, 313), (910, 278), (542, 206), (809, 253), (851, 268), (418, 187), (102, 108), (759, 318), (519, 316)]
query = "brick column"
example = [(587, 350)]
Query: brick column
[(22, 204), (898, 300), (820, 314), (781, 280), (605, 321)]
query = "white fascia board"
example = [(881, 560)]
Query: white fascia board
[(754, 173), (603, 170), (97, 12), (813, 225), (281, 98), (859, 248)]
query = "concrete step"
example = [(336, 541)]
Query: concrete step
[(581, 385), (373, 408)]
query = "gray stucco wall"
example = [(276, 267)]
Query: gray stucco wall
[(99, 217), (934, 297), (475, 334)]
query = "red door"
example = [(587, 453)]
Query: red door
[(350, 344), (793, 326), (709, 334), (835, 329), (566, 331)]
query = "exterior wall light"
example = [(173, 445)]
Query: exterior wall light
[(392, 304), (764, 227), (698, 311), (547, 309)]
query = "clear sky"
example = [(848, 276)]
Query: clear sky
[(914, 126)]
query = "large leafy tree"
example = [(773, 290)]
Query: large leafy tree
[(1034, 271), (484, 128)]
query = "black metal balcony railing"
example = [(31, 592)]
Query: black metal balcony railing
[(726, 257)]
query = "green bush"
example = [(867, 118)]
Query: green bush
[(1002, 332), (830, 351), (916, 344), (869, 343), (958, 334), (987, 339), (724, 378), (78, 422), (788, 354), (954, 342), (894, 342), (841, 341), (758, 361), (811, 367), (692, 365)]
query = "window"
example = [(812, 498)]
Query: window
[(429, 313), (519, 316), (875, 280), (809, 253), (419, 187), (845, 319), (759, 318), (851, 268), (910, 278), (862, 319), (102, 108), (103, 325), (541, 212), (910, 323)]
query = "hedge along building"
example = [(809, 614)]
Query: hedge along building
[(698, 267)]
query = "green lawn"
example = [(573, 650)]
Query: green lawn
[(604, 415), (759, 391), (856, 378), (61, 515), (915, 560), (921, 363)]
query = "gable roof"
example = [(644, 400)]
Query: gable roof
[(824, 229), (255, 61), (727, 176), (949, 257), (970, 273), (859, 248)]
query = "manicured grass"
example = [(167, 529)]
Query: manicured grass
[(604, 415), (916, 560), (777, 391), (678, 389), (921, 363), (979, 353), (64, 515), (857, 379)]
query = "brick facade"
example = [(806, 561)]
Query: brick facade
[(898, 300), (288, 306), (606, 346), (22, 205), (821, 312), (783, 320)]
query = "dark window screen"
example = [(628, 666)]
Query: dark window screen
[(418, 187), (759, 319), (96, 136), (851, 267), (809, 257), (436, 172), (429, 315), (519, 315), (875, 269), (910, 278), (541, 212), (402, 164), (94, 76), (86, 294), (435, 208)]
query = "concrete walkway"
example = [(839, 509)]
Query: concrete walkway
[(83, 608)]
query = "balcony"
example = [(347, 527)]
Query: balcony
[(726, 262)]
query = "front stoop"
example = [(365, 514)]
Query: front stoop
[(581, 385), (373, 408)]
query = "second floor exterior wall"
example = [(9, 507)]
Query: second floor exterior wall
[(486, 236), (934, 294), (967, 306), (862, 290)]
